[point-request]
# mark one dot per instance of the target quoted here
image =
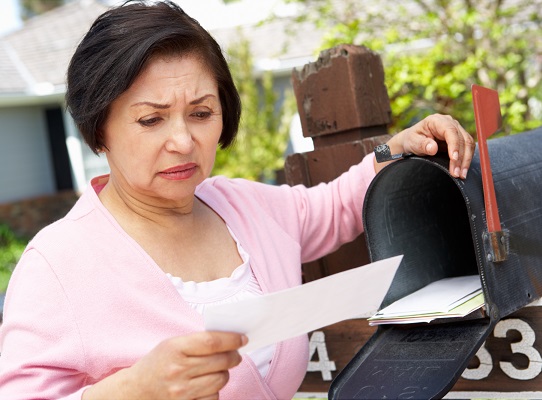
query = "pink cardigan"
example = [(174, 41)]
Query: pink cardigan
[(85, 300)]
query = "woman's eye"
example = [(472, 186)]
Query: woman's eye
[(201, 114), (149, 121)]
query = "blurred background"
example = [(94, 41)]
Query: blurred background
[(432, 51)]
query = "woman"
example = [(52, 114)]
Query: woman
[(106, 302)]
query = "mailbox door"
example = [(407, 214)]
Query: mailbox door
[(414, 362)]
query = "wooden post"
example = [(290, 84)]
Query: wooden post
[(344, 107)]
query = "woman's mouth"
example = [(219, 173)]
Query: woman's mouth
[(179, 172)]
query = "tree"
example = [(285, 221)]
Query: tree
[(434, 50), (30, 8), (263, 133)]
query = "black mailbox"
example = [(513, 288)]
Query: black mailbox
[(416, 208)]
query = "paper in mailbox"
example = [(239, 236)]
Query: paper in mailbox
[(292, 312)]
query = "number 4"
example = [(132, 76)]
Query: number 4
[(318, 345)]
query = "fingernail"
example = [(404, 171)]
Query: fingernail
[(429, 147), (244, 339), (455, 156), (465, 173), (457, 170)]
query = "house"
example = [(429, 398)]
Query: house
[(41, 151)]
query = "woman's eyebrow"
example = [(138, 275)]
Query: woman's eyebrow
[(201, 99), (164, 106), (151, 104)]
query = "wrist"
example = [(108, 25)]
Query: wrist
[(118, 385)]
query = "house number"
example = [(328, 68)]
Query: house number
[(524, 346), (317, 345)]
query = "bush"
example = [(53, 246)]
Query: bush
[(433, 51), (11, 248), (262, 139)]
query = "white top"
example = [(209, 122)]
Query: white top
[(242, 284)]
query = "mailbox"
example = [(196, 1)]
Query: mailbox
[(439, 223)]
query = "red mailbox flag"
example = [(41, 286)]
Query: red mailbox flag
[(487, 115)]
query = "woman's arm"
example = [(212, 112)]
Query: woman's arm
[(42, 354)]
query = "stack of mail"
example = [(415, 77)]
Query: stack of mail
[(447, 298)]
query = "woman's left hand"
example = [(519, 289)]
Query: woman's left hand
[(436, 132)]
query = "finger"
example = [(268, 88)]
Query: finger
[(419, 142), (456, 148), (209, 342), (205, 386), (445, 128), (470, 146), (211, 397), (449, 130), (428, 135), (428, 146), (459, 165), (202, 365)]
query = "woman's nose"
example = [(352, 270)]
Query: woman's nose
[(180, 138)]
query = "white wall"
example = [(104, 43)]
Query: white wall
[(85, 164), (94, 165), (25, 159)]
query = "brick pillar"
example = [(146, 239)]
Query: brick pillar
[(344, 107)]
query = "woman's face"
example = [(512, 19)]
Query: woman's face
[(162, 133)]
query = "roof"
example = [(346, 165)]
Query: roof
[(34, 58)]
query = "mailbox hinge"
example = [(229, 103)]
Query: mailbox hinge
[(497, 245)]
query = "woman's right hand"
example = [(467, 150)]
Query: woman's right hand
[(184, 367)]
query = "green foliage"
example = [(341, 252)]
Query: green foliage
[(11, 248), (30, 8), (263, 133), (433, 51)]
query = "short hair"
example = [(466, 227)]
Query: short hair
[(117, 47)]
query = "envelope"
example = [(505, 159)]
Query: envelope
[(282, 315)]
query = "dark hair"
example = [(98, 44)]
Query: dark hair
[(117, 47)]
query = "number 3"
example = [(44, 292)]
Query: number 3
[(525, 346)]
